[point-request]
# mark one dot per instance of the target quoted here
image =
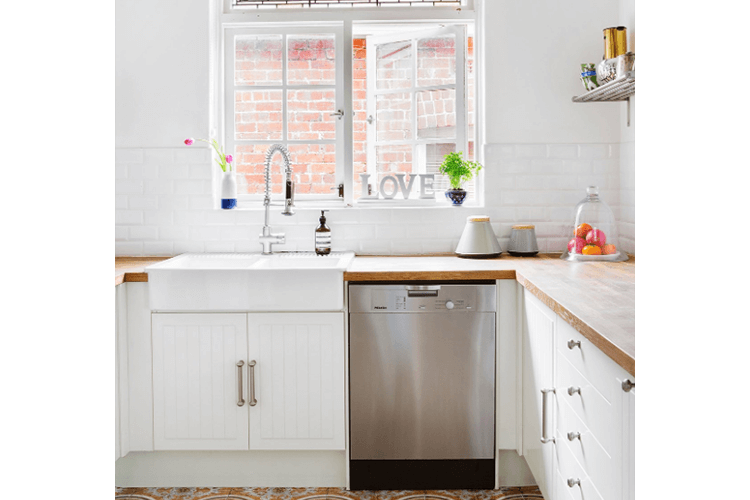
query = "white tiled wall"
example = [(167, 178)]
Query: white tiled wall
[(164, 204)]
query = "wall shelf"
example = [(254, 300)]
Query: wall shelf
[(617, 90)]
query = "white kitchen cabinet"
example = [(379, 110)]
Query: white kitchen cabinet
[(299, 381), (122, 392), (197, 383), (538, 376), (117, 376), (589, 414), (290, 383)]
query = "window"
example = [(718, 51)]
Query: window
[(274, 4), (409, 101)]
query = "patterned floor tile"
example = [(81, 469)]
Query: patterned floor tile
[(278, 493), (255, 493)]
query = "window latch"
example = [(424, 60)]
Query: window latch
[(339, 114), (340, 189), (369, 119)]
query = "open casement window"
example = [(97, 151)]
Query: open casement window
[(285, 85), (416, 109)]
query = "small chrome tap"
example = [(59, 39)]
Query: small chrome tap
[(267, 238)]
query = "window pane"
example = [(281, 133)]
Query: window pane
[(309, 115), (359, 105), (311, 60), (257, 60), (258, 115), (394, 65), (249, 164), (470, 98), (436, 61), (436, 114), (393, 117), (313, 166)]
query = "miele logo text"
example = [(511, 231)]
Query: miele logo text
[(380, 307)]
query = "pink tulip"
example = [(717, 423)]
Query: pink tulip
[(229, 158), (189, 142)]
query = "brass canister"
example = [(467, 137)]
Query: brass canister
[(615, 41)]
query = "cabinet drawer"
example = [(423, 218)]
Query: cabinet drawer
[(593, 364), (569, 468), (593, 409), (598, 465)]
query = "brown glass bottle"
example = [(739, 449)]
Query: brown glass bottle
[(322, 236)]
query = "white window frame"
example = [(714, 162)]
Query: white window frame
[(418, 145), (230, 88), (223, 17)]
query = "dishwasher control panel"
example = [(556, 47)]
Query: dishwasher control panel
[(426, 298)]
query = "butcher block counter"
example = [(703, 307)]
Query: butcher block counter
[(131, 269), (596, 298)]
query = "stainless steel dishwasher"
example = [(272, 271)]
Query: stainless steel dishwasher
[(422, 386)]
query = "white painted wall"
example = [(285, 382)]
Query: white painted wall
[(161, 72), (542, 150), (535, 53)]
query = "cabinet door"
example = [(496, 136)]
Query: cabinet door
[(538, 374), (197, 382), (298, 381), (628, 443)]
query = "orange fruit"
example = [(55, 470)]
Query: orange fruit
[(609, 249), (592, 250), (582, 230)]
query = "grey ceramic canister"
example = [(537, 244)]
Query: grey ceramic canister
[(478, 241), (523, 241)]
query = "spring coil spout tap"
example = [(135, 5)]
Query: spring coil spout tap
[(267, 238)]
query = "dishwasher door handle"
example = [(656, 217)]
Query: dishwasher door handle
[(422, 290)]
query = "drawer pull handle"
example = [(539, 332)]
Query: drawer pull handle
[(251, 382), (574, 343), (545, 439), (573, 482), (240, 400), (574, 435), (573, 390), (628, 386)]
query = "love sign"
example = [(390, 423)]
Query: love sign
[(390, 185)]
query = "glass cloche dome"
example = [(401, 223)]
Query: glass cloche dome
[(593, 236)]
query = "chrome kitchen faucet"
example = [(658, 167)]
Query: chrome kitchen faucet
[(267, 238)]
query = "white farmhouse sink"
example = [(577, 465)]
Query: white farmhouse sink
[(286, 281)]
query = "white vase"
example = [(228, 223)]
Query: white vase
[(228, 190)]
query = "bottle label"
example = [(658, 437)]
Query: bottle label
[(323, 240)]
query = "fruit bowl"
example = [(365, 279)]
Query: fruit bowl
[(593, 236)]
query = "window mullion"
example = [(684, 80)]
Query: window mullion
[(344, 94), (285, 91)]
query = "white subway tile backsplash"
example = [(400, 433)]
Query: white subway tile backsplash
[(164, 204)]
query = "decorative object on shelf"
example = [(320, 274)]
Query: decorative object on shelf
[(478, 241), (594, 232), (523, 241), (458, 171), (616, 68), (588, 76), (615, 41), (228, 180), (397, 183)]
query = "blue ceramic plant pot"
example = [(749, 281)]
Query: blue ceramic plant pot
[(457, 196)]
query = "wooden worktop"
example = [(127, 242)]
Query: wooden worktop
[(129, 269), (596, 298)]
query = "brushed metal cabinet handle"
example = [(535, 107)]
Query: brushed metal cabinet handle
[(251, 382), (240, 400), (574, 343), (573, 390), (573, 482), (574, 435), (628, 386), (545, 439)]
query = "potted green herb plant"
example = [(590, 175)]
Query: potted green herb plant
[(458, 171)]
